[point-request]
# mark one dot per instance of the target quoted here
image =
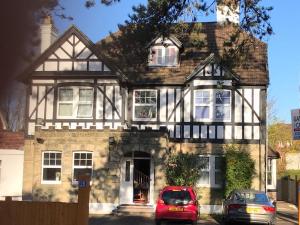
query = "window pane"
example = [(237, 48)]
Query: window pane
[(51, 174), (159, 56), (88, 162), (223, 97), (52, 155), (78, 172), (83, 156), (89, 155), (76, 162), (82, 162), (219, 162), (202, 112), (52, 162), (46, 162), (127, 171), (223, 112), (46, 155), (84, 110), (77, 155), (58, 155), (65, 94), (218, 178), (85, 95), (204, 178), (204, 161), (145, 112), (65, 109)]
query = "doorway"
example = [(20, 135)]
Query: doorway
[(137, 179)]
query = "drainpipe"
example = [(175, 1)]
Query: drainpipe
[(266, 146)]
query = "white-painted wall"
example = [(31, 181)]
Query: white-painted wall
[(11, 172)]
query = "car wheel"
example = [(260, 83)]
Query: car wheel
[(194, 222), (157, 222)]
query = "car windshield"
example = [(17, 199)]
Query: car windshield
[(176, 197), (254, 197)]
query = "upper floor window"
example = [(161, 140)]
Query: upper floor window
[(145, 105), (163, 56), (75, 102), (212, 105), (51, 167)]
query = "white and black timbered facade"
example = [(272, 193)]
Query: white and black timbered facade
[(72, 86), (201, 106)]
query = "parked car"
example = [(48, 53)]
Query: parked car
[(249, 206), (177, 203)]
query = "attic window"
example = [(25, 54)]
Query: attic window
[(163, 56)]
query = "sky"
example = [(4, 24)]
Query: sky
[(283, 46)]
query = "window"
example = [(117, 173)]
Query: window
[(212, 105), (211, 172), (82, 164), (223, 106), (163, 56), (75, 102), (271, 173), (202, 105), (51, 167), (145, 105)]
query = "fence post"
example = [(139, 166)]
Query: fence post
[(83, 200)]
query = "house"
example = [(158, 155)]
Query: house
[(88, 115), (11, 161)]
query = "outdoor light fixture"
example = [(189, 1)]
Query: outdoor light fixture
[(111, 140)]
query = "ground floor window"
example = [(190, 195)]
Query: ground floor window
[(82, 164), (51, 167), (212, 171), (271, 173)]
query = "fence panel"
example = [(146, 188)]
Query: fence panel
[(287, 190)]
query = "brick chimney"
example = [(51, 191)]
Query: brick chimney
[(48, 33), (228, 11)]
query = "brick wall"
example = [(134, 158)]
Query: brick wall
[(11, 140)]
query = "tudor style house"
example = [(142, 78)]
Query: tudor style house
[(87, 115)]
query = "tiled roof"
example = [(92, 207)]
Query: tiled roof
[(253, 71)]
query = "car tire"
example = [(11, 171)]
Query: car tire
[(194, 222), (157, 222)]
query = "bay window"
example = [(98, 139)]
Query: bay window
[(75, 102), (202, 104), (223, 106), (145, 105)]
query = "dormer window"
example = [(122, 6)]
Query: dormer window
[(163, 56)]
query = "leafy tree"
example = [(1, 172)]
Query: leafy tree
[(240, 169), (183, 169)]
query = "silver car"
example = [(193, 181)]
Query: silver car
[(249, 206)]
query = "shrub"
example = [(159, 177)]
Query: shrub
[(183, 169), (240, 169)]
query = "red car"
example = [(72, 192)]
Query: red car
[(177, 203)]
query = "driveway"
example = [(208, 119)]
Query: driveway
[(136, 220)]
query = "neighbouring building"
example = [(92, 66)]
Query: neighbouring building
[(87, 115), (11, 161)]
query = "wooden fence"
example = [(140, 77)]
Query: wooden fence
[(287, 189), (47, 213)]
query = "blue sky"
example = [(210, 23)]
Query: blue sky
[(284, 46)]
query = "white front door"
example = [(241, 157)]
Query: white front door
[(126, 184)]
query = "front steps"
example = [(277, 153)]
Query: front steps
[(134, 210)]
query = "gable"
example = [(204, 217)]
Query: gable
[(211, 69), (72, 55)]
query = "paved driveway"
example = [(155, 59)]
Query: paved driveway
[(136, 220)]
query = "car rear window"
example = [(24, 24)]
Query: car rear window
[(254, 197), (176, 197)]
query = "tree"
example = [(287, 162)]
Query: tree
[(183, 169)]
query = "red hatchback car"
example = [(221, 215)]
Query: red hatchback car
[(177, 203)]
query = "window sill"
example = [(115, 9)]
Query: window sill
[(163, 66), (51, 182), (144, 119)]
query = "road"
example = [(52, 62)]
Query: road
[(141, 220)]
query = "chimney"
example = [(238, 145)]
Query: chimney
[(228, 11), (48, 33)]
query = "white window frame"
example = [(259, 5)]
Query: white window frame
[(228, 104), (75, 102), (273, 172), (51, 166), (163, 50), (212, 106), (212, 172), (144, 104), (81, 167)]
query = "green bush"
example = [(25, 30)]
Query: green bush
[(183, 169), (240, 169)]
